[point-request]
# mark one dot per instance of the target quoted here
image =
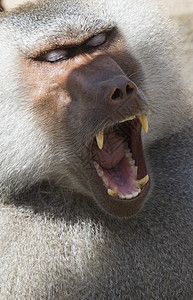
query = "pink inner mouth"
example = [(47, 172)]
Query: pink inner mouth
[(121, 177), (112, 153), (116, 165)]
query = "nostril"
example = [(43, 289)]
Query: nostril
[(129, 89), (117, 94)]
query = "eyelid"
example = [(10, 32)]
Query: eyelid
[(97, 40), (59, 54), (54, 55)]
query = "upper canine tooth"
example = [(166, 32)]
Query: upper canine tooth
[(142, 182), (100, 139), (144, 122)]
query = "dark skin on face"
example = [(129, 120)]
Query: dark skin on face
[(83, 92), (1, 7), (102, 87)]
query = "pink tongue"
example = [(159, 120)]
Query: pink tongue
[(112, 153)]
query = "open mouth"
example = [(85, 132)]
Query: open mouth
[(118, 158)]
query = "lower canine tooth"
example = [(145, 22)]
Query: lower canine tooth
[(142, 181), (100, 139), (144, 122), (113, 192)]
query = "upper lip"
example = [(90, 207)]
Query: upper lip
[(142, 118)]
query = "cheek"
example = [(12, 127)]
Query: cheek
[(46, 86), (46, 89)]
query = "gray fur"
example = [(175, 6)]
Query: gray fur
[(55, 243)]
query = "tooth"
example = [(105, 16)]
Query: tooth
[(142, 181), (128, 119), (135, 194), (128, 154), (96, 165), (132, 162), (112, 192), (121, 196), (134, 169), (100, 173), (105, 181), (100, 139), (138, 190), (128, 196), (144, 122)]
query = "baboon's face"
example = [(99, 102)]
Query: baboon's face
[(93, 114)]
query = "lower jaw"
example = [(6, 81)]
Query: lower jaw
[(122, 208), (115, 205)]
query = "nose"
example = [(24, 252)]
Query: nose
[(121, 88), (117, 89)]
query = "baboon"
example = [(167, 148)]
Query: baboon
[(96, 165)]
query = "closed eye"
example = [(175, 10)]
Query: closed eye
[(97, 40), (59, 54), (55, 55)]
